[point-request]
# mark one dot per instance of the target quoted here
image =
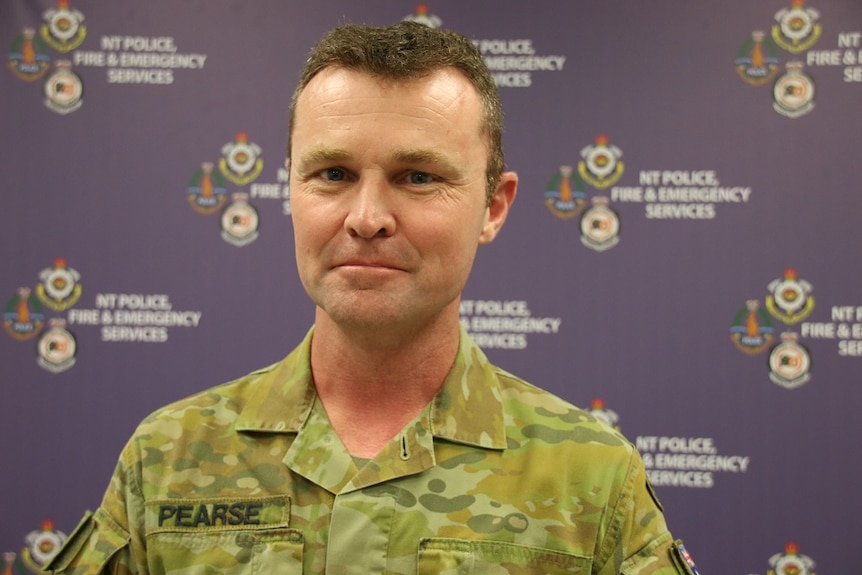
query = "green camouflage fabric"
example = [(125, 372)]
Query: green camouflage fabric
[(494, 476)]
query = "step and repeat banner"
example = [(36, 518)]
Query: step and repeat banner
[(683, 258)]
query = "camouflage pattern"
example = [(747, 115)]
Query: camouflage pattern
[(494, 475)]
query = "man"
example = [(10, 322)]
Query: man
[(386, 442)]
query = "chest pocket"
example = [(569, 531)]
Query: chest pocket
[(456, 556), (237, 535)]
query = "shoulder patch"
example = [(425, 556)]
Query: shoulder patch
[(682, 559)]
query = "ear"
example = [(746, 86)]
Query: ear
[(498, 209)]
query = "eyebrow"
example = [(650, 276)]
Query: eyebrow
[(421, 156), (324, 154)]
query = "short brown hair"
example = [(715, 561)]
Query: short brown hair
[(405, 51)]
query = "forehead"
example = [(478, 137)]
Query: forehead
[(444, 95)]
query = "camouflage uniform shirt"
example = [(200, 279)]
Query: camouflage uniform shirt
[(494, 476)]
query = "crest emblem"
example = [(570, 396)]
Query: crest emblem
[(600, 226), (790, 298), (240, 221), (757, 59), (57, 347), (422, 16), (241, 162), (752, 329), (565, 196), (63, 89), (797, 29), (206, 191), (62, 28), (793, 92), (41, 547), (789, 362), (23, 317), (601, 165), (28, 56), (59, 287), (791, 562)]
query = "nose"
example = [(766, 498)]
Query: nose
[(370, 213)]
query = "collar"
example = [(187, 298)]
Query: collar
[(468, 409)]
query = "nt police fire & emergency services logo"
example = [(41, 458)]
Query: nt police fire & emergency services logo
[(29, 56), (566, 198), (229, 187), (796, 33), (240, 164), (47, 312), (789, 300), (24, 316), (126, 59)]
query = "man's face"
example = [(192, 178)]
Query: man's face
[(388, 195)]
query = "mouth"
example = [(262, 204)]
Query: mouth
[(359, 260), (368, 265)]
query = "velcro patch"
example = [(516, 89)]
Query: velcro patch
[(217, 514)]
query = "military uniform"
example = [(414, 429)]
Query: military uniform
[(494, 475)]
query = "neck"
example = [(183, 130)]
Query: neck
[(372, 385)]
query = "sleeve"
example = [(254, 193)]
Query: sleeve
[(109, 540), (95, 546), (638, 542)]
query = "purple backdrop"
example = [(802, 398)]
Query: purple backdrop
[(683, 256)]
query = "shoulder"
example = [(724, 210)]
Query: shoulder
[(533, 413), (220, 400), (208, 413)]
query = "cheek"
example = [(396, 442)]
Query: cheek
[(309, 228), (455, 247)]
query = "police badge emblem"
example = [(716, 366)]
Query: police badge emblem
[(23, 317), (41, 547), (793, 92), (789, 362), (757, 59), (28, 56), (59, 287), (797, 29), (240, 221), (565, 196), (206, 192), (241, 162), (752, 329), (791, 562), (600, 226), (601, 165), (57, 347), (62, 28), (790, 298), (63, 89)]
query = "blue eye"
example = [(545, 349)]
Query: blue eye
[(420, 178), (333, 174)]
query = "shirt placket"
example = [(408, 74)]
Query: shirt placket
[(364, 506)]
